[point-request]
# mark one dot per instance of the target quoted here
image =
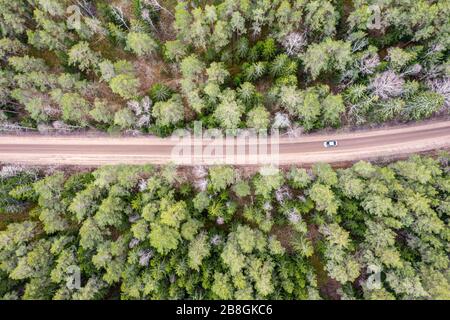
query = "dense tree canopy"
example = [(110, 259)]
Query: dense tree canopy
[(135, 232), (230, 64), (143, 232)]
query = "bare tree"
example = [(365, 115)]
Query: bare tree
[(293, 216), (13, 127), (359, 44), (141, 110), (118, 13), (294, 131), (201, 184), (200, 172), (216, 240), (158, 6), (441, 86), (87, 7), (133, 243), (282, 194), (413, 70), (281, 120), (294, 42), (387, 84), (145, 256), (11, 171), (368, 63), (220, 221)]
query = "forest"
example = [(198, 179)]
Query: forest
[(148, 232), (151, 66), (369, 231)]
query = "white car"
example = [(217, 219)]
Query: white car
[(330, 144)]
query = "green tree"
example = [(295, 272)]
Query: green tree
[(190, 228), (333, 108), (49, 34), (125, 118), (217, 72), (163, 238), (175, 50), (191, 67), (242, 189), (258, 118), (49, 192), (172, 214), (221, 177), (341, 265), (310, 111), (183, 20), (160, 92), (199, 249), (424, 105), (170, 112), (93, 289), (326, 56), (324, 174), (324, 199), (201, 201), (221, 35), (75, 109), (298, 178), (229, 111), (398, 58), (222, 286), (232, 257), (268, 182), (141, 44), (90, 234), (13, 17), (291, 99), (83, 57), (351, 186), (125, 85), (321, 17), (110, 212), (102, 111)]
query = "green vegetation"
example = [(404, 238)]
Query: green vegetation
[(231, 64), (143, 232)]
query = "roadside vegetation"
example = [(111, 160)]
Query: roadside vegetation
[(152, 66), (144, 232)]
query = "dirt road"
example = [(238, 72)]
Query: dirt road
[(391, 142)]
